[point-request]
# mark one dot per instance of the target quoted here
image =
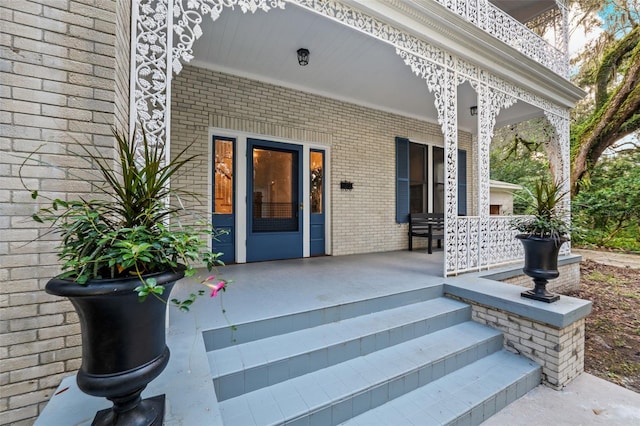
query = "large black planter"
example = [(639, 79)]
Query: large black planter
[(123, 344), (541, 264)]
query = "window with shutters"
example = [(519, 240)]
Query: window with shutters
[(420, 179)]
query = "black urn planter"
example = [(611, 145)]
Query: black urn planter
[(541, 264), (123, 344)]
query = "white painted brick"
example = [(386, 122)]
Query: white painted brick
[(10, 363), (90, 34), (72, 17), (35, 372), (29, 7), (21, 106), (39, 23), (18, 388), (18, 337), (11, 417), (36, 347), (13, 312), (65, 354), (68, 41), (28, 399), (32, 323), (18, 29), (53, 381)]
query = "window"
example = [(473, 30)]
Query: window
[(223, 177), (438, 180), (420, 179), (316, 179)]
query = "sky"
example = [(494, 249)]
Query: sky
[(579, 37)]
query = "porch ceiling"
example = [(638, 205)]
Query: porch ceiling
[(525, 10), (343, 63)]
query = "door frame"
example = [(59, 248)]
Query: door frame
[(241, 186)]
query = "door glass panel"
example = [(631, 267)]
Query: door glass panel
[(275, 204), (316, 162), (223, 179)]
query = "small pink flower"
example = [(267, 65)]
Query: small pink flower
[(216, 288)]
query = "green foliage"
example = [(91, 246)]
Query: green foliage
[(607, 212), (132, 229), (523, 168), (547, 219), (608, 69)]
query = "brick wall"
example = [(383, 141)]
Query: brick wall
[(362, 144), (567, 282), (560, 351), (122, 65), (57, 89)]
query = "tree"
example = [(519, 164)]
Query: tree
[(516, 157), (610, 208), (609, 72)]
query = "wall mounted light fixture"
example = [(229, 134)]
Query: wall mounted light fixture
[(303, 57), (473, 110)]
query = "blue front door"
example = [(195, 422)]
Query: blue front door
[(274, 192)]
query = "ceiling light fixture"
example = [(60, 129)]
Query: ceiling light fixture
[(303, 57)]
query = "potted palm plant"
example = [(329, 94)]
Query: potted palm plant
[(121, 254), (541, 235)]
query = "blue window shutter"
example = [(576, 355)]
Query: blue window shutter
[(402, 180), (462, 182)]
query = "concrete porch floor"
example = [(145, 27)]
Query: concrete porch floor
[(267, 289)]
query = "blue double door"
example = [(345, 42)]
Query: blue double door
[(274, 201)]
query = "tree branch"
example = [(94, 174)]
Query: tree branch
[(611, 61), (615, 118)]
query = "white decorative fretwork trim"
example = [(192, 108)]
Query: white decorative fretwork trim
[(502, 26), (468, 239)]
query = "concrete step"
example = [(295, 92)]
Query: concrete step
[(336, 393), (467, 396), (267, 327), (256, 364)]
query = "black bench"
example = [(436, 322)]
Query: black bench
[(426, 225)]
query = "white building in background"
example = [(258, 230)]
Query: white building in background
[(501, 197)]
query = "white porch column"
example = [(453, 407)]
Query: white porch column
[(448, 114), (490, 102), (558, 151), (151, 54), (564, 43), (442, 82)]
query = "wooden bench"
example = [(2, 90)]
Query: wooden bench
[(426, 225)]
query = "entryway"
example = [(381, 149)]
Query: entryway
[(274, 210), (272, 206)]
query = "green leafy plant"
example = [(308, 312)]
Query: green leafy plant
[(608, 210), (132, 229), (547, 218)]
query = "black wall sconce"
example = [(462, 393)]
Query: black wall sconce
[(303, 57), (473, 110), (345, 185)]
